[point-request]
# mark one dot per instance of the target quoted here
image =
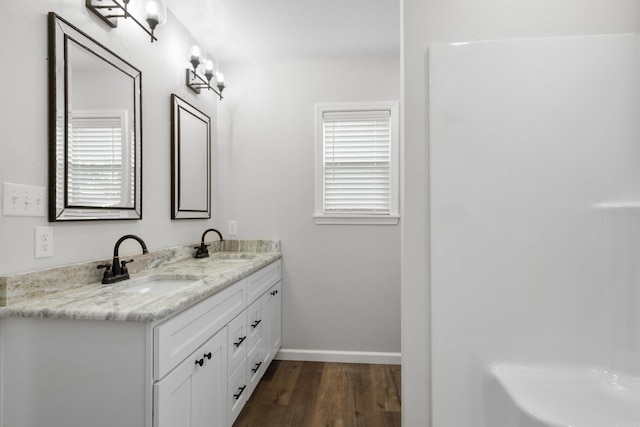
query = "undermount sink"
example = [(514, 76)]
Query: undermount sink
[(156, 284)]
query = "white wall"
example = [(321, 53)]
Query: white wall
[(341, 283), (24, 132), (426, 22)]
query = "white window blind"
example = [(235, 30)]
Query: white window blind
[(100, 167), (356, 162)]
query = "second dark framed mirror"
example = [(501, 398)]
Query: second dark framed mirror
[(190, 161)]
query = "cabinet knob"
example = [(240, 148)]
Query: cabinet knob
[(208, 355), (240, 390), (254, 370), (256, 323), (237, 344), (200, 362)]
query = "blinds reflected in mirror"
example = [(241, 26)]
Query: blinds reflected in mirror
[(100, 165)]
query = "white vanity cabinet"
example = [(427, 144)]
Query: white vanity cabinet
[(247, 352), (183, 371), (199, 385), (190, 361)]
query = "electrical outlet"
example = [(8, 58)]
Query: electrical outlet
[(44, 242), (233, 228), (22, 200)]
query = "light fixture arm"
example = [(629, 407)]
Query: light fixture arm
[(104, 9), (196, 82)]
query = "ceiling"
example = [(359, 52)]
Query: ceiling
[(248, 30)]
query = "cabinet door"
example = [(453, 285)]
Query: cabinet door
[(272, 315), (194, 394), (211, 381)]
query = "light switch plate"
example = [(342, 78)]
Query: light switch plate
[(23, 200)]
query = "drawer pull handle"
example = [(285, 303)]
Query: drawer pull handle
[(237, 344), (254, 370), (256, 323), (274, 292), (240, 390), (200, 362), (208, 355)]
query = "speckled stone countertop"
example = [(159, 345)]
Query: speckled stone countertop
[(129, 301)]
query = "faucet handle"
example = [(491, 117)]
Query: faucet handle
[(108, 275), (123, 264)]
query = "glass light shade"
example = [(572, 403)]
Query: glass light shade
[(196, 53), (156, 9), (209, 66), (220, 77)]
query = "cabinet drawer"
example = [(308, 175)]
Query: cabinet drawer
[(179, 336), (260, 281), (237, 392), (237, 344), (254, 327), (255, 367)]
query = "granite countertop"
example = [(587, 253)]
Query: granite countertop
[(119, 302)]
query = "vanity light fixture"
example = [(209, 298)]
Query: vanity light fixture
[(195, 81), (110, 10)]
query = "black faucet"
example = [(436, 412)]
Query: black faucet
[(202, 251), (117, 271)]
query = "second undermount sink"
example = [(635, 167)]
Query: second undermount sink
[(156, 284)]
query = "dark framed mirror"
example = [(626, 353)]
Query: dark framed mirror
[(190, 161), (95, 129)]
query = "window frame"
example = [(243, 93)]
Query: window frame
[(392, 217)]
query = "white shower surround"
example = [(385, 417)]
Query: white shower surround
[(532, 143)]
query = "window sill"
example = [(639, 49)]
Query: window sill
[(356, 219)]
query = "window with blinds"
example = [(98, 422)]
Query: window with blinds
[(357, 163)]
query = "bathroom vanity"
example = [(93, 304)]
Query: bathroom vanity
[(183, 344)]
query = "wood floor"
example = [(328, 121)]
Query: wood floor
[(317, 394)]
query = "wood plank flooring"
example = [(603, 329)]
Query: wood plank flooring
[(318, 394)]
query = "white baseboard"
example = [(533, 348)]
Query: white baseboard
[(339, 356)]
